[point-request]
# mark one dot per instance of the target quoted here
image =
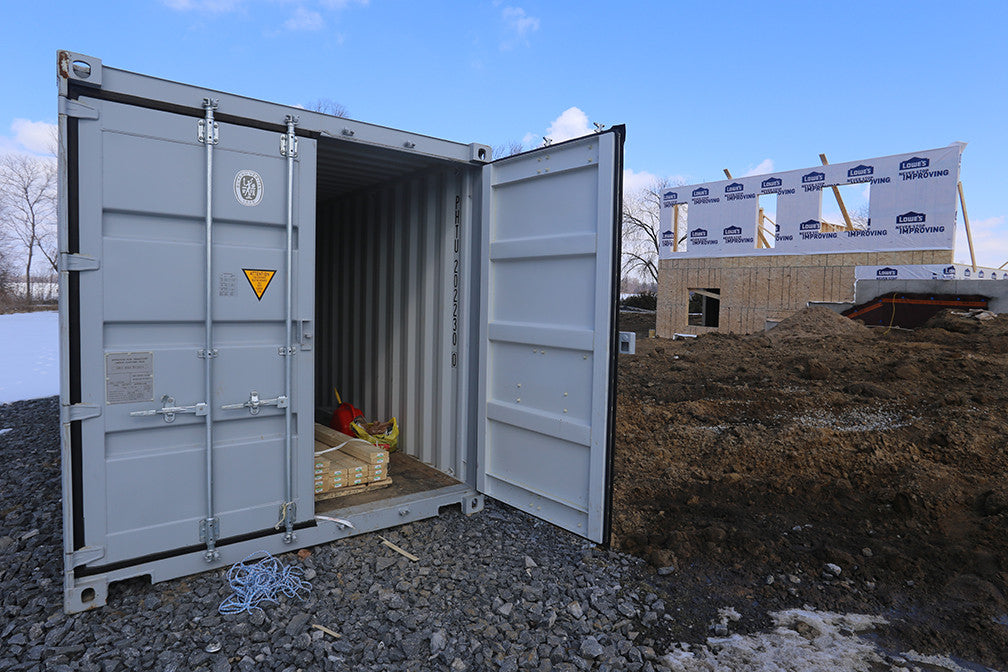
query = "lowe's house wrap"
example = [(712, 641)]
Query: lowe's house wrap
[(911, 206), (929, 272)]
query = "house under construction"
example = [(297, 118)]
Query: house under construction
[(726, 265)]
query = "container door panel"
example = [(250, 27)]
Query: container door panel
[(142, 195), (550, 219)]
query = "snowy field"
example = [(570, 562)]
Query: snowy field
[(29, 356)]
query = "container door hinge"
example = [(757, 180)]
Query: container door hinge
[(209, 533), (254, 404), (86, 554), (286, 141), (201, 133), (169, 409), (76, 109), (77, 262), (208, 133), (83, 411)]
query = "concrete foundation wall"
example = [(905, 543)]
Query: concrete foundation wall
[(756, 289), (995, 290)]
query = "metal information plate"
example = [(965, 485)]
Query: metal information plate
[(129, 377)]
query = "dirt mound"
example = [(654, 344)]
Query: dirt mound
[(751, 464), (966, 321), (817, 321)]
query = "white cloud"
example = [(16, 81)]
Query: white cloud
[(304, 19), (764, 166), (572, 123), (518, 26), (29, 137), (990, 241), (635, 181)]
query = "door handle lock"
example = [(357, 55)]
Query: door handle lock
[(254, 403), (169, 409)]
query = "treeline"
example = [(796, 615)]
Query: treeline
[(28, 245)]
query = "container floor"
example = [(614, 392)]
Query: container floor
[(409, 477)]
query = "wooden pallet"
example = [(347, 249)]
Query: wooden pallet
[(352, 490)]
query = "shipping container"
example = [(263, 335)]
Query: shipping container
[(226, 263)]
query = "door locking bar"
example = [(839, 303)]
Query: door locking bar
[(288, 510), (254, 403), (169, 409), (209, 136)]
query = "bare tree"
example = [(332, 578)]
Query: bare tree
[(642, 230), (330, 107), (6, 295), (509, 148), (28, 207), (860, 218)]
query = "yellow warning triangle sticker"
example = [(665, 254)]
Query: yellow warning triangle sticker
[(259, 279)]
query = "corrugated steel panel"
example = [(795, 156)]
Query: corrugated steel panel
[(386, 277), (345, 167)]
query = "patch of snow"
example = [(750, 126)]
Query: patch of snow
[(802, 639), (726, 614), (714, 428), (29, 356), (857, 420)]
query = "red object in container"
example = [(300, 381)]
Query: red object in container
[(344, 414)]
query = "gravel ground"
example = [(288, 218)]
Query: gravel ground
[(499, 590)]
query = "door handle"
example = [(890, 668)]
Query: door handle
[(254, 403), (169, 409)]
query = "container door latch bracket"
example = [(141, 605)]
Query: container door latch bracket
[(288, 515), (209, 533)]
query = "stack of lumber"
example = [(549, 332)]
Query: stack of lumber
[(345, 465)]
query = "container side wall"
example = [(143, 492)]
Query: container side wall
[(390, 281)]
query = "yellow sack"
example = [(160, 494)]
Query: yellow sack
[(377, 432)]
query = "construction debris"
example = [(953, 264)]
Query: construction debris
[(405, 554)]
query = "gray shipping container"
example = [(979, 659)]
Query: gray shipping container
[(226, 262)]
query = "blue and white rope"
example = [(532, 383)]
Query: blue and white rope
[(262, 581)]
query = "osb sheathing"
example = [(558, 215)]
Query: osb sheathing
[(757, 289)]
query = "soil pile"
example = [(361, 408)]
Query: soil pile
[(825, 463), (817, 321), (966, 322)]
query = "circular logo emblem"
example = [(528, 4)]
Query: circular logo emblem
[(248, 187)]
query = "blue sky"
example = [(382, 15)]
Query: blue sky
[(701, 87)]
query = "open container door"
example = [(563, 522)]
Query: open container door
[(551, 220), (186, 298)]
